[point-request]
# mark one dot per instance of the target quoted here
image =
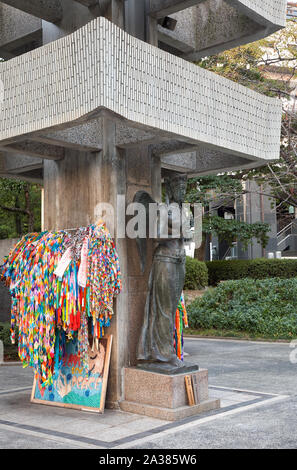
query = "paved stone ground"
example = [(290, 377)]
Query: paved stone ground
[(256, 382)]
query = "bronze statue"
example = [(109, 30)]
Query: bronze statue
[(156, 350)]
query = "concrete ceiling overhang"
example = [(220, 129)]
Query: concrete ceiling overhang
[(203, 27), (268, 12), (17, 30), (101, 70), (203, 161), (48, 10), (206, 27)]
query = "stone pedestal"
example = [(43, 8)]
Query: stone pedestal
[(164, 396)]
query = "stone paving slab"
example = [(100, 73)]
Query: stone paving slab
[(103, 431), (237, 373)]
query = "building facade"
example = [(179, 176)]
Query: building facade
[(98, 96)]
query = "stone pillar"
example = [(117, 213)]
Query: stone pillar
[(135, 18), (143, 173), (73, 187)]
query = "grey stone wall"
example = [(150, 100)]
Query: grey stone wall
[(5, 247)]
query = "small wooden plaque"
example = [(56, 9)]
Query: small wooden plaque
[(195, 389), (189, 388)]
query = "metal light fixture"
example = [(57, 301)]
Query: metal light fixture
[(168, 23)]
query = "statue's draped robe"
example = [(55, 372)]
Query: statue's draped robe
[(165, 287)]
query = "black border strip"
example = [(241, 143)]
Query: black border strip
[(137, 436)]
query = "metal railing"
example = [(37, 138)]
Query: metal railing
[(284, 234), (231, 253)]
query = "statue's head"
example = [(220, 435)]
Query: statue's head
[(176, 188)]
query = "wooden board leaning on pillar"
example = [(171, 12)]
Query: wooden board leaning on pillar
[(70, 389)]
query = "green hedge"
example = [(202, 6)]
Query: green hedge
[(267, 308), (260, 268), (196, 274)]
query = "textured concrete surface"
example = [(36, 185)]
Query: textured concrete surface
[(169, 414), (49, 10), (167, 391), (17, 28), (209, 27), (256, 383), (164, 396), (268, 10), (206, 108)]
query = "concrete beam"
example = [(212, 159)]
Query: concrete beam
[(185, 162), (90, 3), (135, 19), (172, 147), (204, 161), (161, 8), (210, 161), (35, 149), (6, 55), (210, 27), (111, 9), (178, 45), (128, 137), (84, 138), (17, 30), (18, 163), (48, 10), (25, 169), (99, 7), (217, 27), (21, 167), (56, 140), (22, 177)]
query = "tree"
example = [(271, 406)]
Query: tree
[(269, 67), (236, 230), (207, 189), (223, 190), (20, 208)]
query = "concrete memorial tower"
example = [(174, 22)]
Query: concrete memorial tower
[(98, 97)]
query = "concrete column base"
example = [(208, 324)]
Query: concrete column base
[(164, 396)]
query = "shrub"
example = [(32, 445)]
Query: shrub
[(265, 307), (5, 333), (260, 268), (196, 274)]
